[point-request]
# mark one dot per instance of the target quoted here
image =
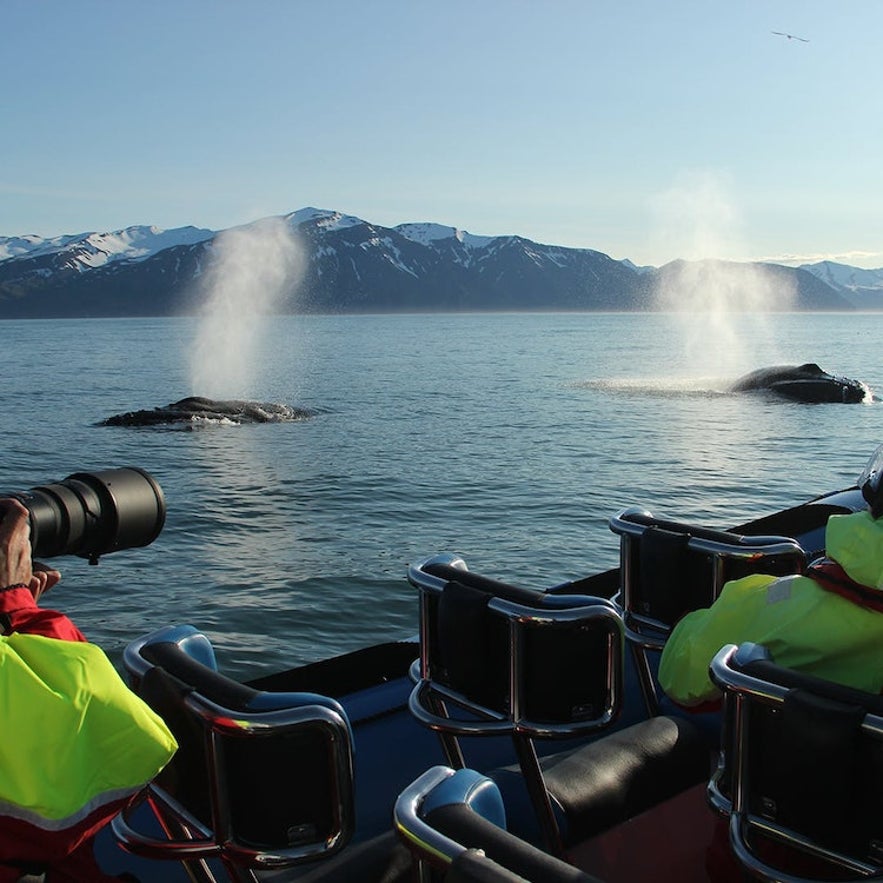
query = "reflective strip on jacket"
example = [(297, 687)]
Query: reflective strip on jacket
[(804, 626)]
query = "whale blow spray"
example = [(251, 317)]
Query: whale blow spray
[(252, 270), (723, 305)]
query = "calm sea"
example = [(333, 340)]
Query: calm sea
[(507, 438)]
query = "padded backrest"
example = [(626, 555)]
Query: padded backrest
[(284, 784), (666, 579), (473, 627), (528, 597), (812, 757), (670, 568), (804, 767), (186, 778)]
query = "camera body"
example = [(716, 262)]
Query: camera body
[(94, 513)]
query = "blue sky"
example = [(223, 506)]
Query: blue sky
[(646, 130)]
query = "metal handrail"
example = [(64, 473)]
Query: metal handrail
[(409, 824), (217, 722), (519, 616), (453, 714)]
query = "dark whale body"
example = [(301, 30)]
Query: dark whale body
[(195, 409), (803, 383)]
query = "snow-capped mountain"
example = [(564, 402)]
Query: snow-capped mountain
[(89, 250), (862, 287), (362, 267), (351, 265)]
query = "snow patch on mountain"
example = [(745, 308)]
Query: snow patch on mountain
[(90, 250), (429, 234), (842, 276), (324, 218), (18, 246)]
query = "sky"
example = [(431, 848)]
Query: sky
[(646, 130)]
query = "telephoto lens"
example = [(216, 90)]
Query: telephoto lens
[(94, 513)]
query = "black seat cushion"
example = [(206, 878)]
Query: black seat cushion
[(615, 778)]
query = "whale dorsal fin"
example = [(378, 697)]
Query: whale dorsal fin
[(811, 368)]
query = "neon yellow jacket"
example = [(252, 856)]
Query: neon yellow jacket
[(804, 626), (76, 743)]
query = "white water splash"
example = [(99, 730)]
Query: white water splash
[(661, 387), (253, 270)]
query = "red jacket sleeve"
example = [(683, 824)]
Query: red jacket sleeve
[(24, 616)]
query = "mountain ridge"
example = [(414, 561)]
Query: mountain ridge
[(352, 265)]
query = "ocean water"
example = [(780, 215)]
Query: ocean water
[(509, 438)]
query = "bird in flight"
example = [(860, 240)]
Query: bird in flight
[(789, 36)]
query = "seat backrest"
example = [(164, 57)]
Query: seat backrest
[(446, 816), (669, 568), (524, 659), (801, 763), (265, 778)]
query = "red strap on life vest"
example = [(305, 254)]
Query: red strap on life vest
[(833, 578)]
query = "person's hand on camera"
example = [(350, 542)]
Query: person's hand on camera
[(16, 567), (43, 579)]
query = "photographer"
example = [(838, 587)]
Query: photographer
[(77, 742), (22, 581)]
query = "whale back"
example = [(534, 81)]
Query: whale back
[(802, 383)]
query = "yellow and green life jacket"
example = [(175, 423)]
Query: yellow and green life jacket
[(809, 624), (76, 744)]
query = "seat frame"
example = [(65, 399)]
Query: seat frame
[(741, 690), (452, 714), (273, 716)]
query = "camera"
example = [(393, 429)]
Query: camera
[(93, 513)]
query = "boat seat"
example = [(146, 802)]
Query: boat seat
[(669, 568), (261, 780), (454, 821), (497, 659), (801, 771), (601, 784)]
